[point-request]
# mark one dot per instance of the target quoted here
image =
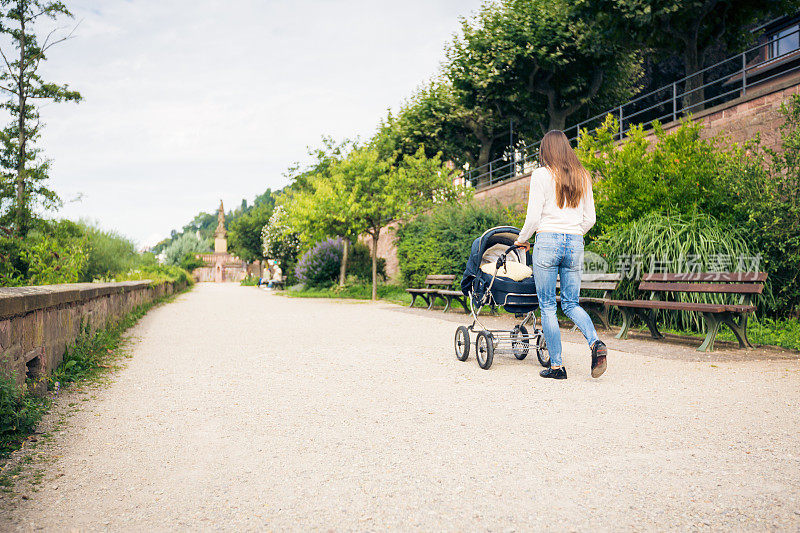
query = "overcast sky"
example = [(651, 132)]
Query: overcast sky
[(191, 101)]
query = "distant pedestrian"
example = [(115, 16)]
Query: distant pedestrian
[(561, 211), (277, 276)]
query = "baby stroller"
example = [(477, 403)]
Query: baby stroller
[(489, 279)]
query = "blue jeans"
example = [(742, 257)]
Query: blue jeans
[(560, 254)]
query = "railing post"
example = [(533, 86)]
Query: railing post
[(620, 123), (674, 101), (744, 74), (490, 172)]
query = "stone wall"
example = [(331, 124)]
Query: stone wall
[(38, 323), (509, 193), (386, 249), (756, 113)]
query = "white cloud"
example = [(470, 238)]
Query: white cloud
[(187, 101)]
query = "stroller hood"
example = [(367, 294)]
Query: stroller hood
[(505, 235)]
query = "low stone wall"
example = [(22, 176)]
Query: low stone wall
[(38, 323)]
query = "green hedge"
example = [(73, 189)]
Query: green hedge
[(439, 242)]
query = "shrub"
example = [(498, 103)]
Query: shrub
[(109, 253), (674, 243), (359, 263), (157, 273), (186, 244), (679, 172), (764, 199), (439, 242), (54, 252), (191, 262), (321, 263)]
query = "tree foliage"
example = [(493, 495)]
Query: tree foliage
[(186, 244), (536, 62), (678, 171), (280, 241), (244, 232), (689, 29), (23, 170)]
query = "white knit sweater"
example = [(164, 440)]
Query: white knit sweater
[(544, 215)]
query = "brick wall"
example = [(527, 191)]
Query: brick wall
[(38, 323), (386, 249)]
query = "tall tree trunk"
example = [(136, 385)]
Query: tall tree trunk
[(22, 229), (375, 236), (343, 269), (483, 158), (694, 93), (557, 120)]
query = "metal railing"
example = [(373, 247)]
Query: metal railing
[(729, 79)]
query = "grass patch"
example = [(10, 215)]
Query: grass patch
[(784, 333), (360, 291), (92, 354), (249, 281), (20, 411)]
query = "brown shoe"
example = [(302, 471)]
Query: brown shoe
[(599, 353)]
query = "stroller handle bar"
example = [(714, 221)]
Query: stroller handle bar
[(501, 261)]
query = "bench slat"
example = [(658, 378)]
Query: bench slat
[(599, 285), (595, 285), (722, 288), (441, 276), (608, 276), (683, 306), (451, 293), (742, 277)]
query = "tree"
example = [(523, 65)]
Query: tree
[(432, 118), (316, 213), (20, 160), (690, 29), (280, 241), (184, 245), (478, 70), (538, 62), (244, 233), (381, 193), (323, 157)]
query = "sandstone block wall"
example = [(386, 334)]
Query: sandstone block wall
[(386, 249), (756, 113), (38, 323)]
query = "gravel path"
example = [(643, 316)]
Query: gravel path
[(242, 410)]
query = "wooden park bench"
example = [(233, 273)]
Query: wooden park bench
[(597, 306), (743, 284), (439, 286)]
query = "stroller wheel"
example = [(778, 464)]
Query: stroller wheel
[(541, 351), (520, 342), (484, 349), (462, 343)]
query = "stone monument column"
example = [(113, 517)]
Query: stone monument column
[(221, 234)]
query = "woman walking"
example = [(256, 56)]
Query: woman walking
[(561, 211)]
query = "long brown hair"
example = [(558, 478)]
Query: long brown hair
[(571, 178)]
